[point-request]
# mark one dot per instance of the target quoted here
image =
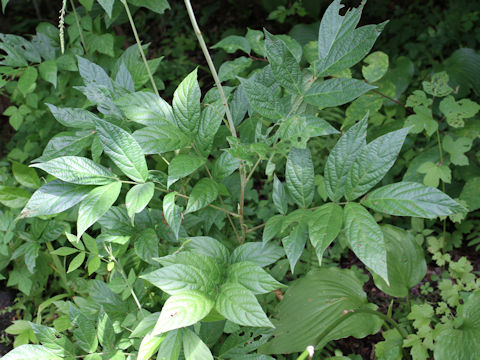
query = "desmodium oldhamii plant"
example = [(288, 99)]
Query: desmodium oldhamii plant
[(163, 198)]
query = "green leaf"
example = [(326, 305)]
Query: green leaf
[(405, 262), (461, 341), (95, 204), (457, 111), (422, 120), (366, 239), (210, 121), (181, 310), (105, 331), (146, 108), (158, 6), (13, 197), (438, 85), (4, 4), (204, 264), (411, 199), (233, 43), (315, 302), (146, 246), (203, 193), (273, 226), (240, 306), (107, 5), (138, 198), (263, 100), (434, 172), (284, 65), (252, 277), (294, 243), (77, 170), (27, 352), (183, 165), (27, 81), (255, 39), (373, 162), (70, 117), (160, 139), (208, 246), (123, 149), (279, 196), (229, 70), (299, 176), (186, 104), (174, 279), (66, 144), (76, 262), (335, 92), (471, 193), (64, 251), (324, 226), (194, 348), (457, 149), (172, 213), (25, 175), (48, 71), (85, 334), (342, 157), (149, 345), (377, 66), (224, 166), (171, 346), (53, 198), (53, 340), (257, 253)]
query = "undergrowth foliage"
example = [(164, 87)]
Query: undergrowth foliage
[(177, 228)]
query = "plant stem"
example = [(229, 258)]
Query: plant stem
[(137, 39), (389, 98), (59, 267), (308, 353), (444, 226), (80, 32), (198, 33), (255, 228)]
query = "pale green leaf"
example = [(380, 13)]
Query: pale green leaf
[(233, 43), (208, 246), (28, 352), (48, 71), (138, 197), (252, 277), (158, 6), (25, 175), (146, 108), (76, 262), (299, 175), (377, 66), (183, 165), (366, 239), (294, 243), (229, 70), (194, 348), (149, 345), (172, 213), (186, 104), (77, 170), (203, 193), (160, 139), (13, 197), (258, 253), (66, 144), (70, 117), (279, 196), (171, 346)]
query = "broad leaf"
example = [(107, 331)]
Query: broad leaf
[(194, 348), (203, 193), (65, 144), (123, 149), (279, 196), (183, 165), (172, 213), (373, 162), (146, 108), (77, 118), (335, 92), (146, 246), (411, 199), (294, 243), (158, 6), (283, 63), (405, 262), (171, 346), (324, 226), (252, 277), (77, 170), (341, 158), (263, 100), (208, 246), (53, 198), (315, 302), (95, 204), (149, 345), (240, 306), (160, 139), (224, 166), (366, 239), (258, 253), (25, 175), (186, 104), (13, 197), (28, 352), (138, 198), (181, 310), (299, 176)]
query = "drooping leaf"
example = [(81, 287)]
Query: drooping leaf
[(315, 302), (183, 165), (158, 6), (160, 139), (279, 196), (335, 92), (172, 213), (240, 306), (405, 262), (324, 226), (48, 71), (411, 199), (95, 204), (186, 104), (366, 239), (123, 149), (299, 175), (77, 170), (183, 309), (341, 158), (66, 144), (146, 108), (194, 348), (203, 193), (138, 198), (224, 166), (171, 346), (283, 64), (373, 162), (54, 197), (107, 5), (294, 243)]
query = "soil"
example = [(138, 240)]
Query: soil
[(6, 299)]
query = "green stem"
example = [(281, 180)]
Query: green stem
[(308, 353), (80, 32), (198, 33), (440, 150), (59, 267), (137, 39)]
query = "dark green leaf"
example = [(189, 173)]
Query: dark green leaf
[(300, 176), (146, 108), (186, 105), (203, 193), (183, 165)]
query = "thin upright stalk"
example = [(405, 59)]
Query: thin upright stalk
[(80, 31), (137, 39), (201, 41)]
